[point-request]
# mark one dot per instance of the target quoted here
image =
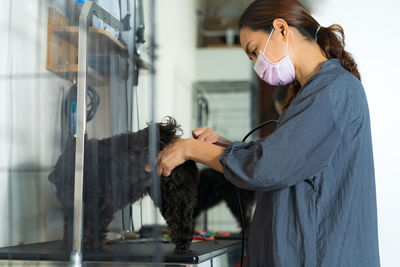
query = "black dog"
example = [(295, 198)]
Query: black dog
[(214, 188), (114, 177)]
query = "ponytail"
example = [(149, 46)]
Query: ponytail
[(331, 41)]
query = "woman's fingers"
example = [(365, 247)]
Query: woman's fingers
[(167, 162), (147, 168), (199, 131), (162, 168), (212, 138), (205, 134), (170, 157)]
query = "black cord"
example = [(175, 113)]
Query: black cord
[(123, 219), (71, 100), (132, 226), (243, 224), (238, 193), (258, 127)]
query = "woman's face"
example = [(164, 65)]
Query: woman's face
[(254, 41)]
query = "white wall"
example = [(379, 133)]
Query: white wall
[(175, 62), (30, 98), (371, 30), (176, 32), (222, 64), (175, 72)]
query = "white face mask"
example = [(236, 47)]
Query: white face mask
[(278, 73)]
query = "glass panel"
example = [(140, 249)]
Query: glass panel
[(41, 81)]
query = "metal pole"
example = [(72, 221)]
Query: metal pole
[(76, 254), (153, 149), (85, 17)]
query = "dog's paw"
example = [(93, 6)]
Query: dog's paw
[(92, 245), (181, 251), (65, 246), (182, 247)]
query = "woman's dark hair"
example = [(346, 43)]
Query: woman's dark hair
[(260, 14), (280, 93), (284, 94)]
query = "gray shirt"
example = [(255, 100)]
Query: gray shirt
[(316, 200)]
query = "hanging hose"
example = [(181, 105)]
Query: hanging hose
[(238, 193)]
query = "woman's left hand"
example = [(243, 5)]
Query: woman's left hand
[(174, 154)]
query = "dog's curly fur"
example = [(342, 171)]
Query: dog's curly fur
[(114, 177)]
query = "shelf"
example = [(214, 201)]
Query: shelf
[(96, 35), (69, 72), (106, 54), (221, 46)]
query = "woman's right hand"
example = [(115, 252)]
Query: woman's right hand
[(207, 135)]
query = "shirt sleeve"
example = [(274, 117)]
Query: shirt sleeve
[(304, 143)]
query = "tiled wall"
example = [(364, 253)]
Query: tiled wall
[(230, 114)]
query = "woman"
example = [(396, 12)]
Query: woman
[(315, 173)]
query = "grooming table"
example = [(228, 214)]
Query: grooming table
[(126, 253)]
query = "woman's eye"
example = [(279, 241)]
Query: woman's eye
[(253, 54)]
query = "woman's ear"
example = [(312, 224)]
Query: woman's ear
[(282, 27)]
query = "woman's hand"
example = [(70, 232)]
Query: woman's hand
[(208, 135), (174, 154)]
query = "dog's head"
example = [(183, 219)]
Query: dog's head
[(169, 130), (64, 167)]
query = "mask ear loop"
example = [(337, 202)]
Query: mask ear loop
[(316, 33), (269, 37), (287, 45)]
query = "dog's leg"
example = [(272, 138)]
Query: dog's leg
[(177, 210), (179, 216), (98, 215), (68, 228)]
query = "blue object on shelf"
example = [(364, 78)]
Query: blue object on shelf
[(72, 121), (77, 11)]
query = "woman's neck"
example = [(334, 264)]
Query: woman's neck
[(308, 61)]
